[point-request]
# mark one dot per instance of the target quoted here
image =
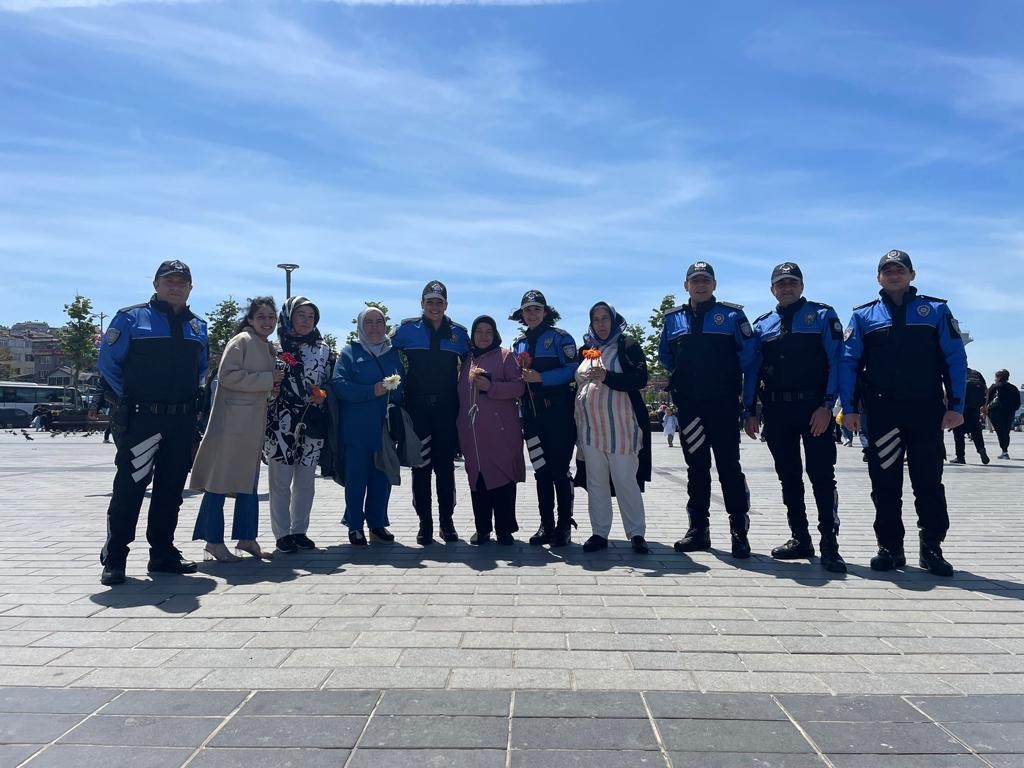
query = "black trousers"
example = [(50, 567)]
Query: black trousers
[(787, 425), (707, 426), (910, 430), (550, 440), (435, 427), (498, 504), (1002, 425), (149, 447), (972, 427)]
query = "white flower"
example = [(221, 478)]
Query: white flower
[(391, 382)]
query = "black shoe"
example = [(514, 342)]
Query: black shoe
[(594, 543), (640, 545), (381, 535), (957, 460), (287, 544), (302, 541), (425, 536), (796, 548), (933, 561), (506, 539), (694, 540), (480, 538), (542, 536), (112, 576), (740, 545), (831, 560), (449, 534), (888, 559), (984, 458), (171, 564), (357, 538), (562, 537)]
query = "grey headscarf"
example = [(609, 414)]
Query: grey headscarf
[(374, 349)]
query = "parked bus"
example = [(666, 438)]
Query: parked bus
[(19, 398)]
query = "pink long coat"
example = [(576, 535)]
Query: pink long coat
[(492, 443)]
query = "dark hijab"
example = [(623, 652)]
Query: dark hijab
[(591, 339), (495, 342)]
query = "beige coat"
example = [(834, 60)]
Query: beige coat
[(229, 456)]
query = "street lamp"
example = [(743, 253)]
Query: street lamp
[(288, 269)]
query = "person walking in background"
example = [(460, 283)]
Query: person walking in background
[(903, 353), (670, 425), (152, 360), (365, 370), (974, 404), (612, 427), (707, 347), (490, 432), (434, 347), (548, 358), (1002, 405), (297, 422), (228, 462), (798, 348)]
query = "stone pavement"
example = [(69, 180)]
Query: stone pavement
[(509, 656)]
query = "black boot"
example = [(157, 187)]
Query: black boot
[(831, 560), (542, 536), (112, 575), (796, 548), (694, 540), (448, 532), (563, 535), (933, 561), (594, 543), (740, 545), (888, 559), (425, 536)]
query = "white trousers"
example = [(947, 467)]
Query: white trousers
[(621, 470), (291, 497)]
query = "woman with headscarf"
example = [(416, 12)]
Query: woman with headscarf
[(490, 432), (297, 422), (359, 382), (613, 430), (547, 358)]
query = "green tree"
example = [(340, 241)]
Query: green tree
[(331, 341), (353, 335), (637, 331), (78, 336), (6, 363), (221, 323), (651, 341)]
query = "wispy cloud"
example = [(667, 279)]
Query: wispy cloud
[(38, 5)]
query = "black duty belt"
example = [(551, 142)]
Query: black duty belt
[(162, 409), (793, 396)]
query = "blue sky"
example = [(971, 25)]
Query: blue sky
[(589, 149)]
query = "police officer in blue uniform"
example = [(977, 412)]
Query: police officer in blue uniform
[(434, 347), (707, 347), (549, 358), (799, 344), (904, 360), (153, 360)]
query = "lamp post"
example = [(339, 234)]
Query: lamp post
[(288, 269)]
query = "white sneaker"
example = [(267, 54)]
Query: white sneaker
[(1004, 455)]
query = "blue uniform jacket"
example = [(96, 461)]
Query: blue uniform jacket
[(433, 356), (708, 351), (554, 354), (149, 354), (797, 351), (362, 412), (912, 351)]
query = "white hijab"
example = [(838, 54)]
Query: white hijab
[(374, 349)]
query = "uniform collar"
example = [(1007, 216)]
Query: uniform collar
[(792, 308), (703, 306), (908, 297), (163, 306)]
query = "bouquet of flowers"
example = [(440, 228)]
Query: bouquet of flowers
[(525, 360)]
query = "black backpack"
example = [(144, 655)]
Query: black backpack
[(976, 390)]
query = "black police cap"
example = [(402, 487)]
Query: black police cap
[(435, 289), (533, 298), (896, 257), (173, 267), (700, 268), (786, 270)]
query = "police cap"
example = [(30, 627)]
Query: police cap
[(700, 268), (896, 257), (435, 290), (173, 267), (533, 298), (786, 270)]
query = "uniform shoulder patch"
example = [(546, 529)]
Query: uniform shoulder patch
[(765, 316), (409, 320), (458, 325), (730, 305), (133, 306), (745, 330), (931, 298), (820, 305), (677, 308), (112, 335), (559, 331), (866, 304)]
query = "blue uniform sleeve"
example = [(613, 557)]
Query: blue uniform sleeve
[(401, 336), (114, 351), (751, 380), (463, 342), (849, 364), (746, 348), (952, 345), (832, 340), (204, 358), (568, 356), (665, 352)]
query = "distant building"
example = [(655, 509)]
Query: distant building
[(35, 350)]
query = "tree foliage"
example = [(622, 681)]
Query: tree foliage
[(354, 336), (331, 341), (651, 341), (221, 323), (6, 363), (78, 336)]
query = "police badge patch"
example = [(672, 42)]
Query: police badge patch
[(837, 329), (746, 330), (923, 310), (848, 334), (569, 350), (809, 318), (548, 342), (719, 319), (113, 334), (194, 325)]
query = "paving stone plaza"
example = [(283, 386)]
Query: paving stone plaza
[(458, 656)]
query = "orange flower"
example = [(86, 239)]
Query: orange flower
[(317, 392), (592, 354)]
